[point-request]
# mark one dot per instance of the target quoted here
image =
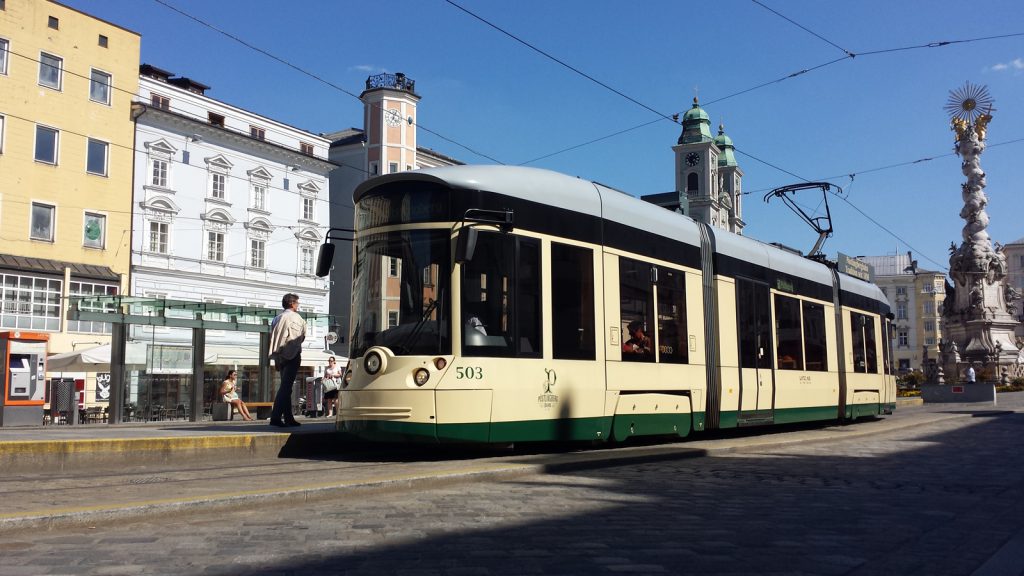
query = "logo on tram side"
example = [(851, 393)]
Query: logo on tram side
[(547, 399)]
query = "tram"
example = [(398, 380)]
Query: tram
[(499, 304)]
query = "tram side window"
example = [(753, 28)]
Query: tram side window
[(754, 324), (864, 358), (528, 298), (501, 305), (869, 343), (636, 302), (815, 342), (788, 333), (672, 333), (886, 343), (572, 302)]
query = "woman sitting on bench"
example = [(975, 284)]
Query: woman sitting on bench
[(229, 394)]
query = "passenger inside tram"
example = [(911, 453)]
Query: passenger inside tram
[(638, 343)]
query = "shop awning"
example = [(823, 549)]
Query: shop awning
[(97, 359)]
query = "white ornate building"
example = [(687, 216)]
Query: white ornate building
[(229, 207)]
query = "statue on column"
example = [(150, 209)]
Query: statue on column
[(979, 311)]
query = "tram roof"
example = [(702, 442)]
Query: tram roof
[(545, 186), (595, 199)]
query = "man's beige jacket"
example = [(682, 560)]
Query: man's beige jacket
[(287, 332)]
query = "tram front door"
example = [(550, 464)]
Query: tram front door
[(757, 376)]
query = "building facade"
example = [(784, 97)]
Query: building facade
[(230, 210), (915, 297), (1014, 252), (66, 85), (385, 145)]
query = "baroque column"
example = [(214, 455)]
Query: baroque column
[(978, 314)]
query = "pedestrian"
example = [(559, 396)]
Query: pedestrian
[(229, 394), (970, 374), (332, 385), (287, 332)]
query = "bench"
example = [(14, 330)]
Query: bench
[(223, 411), (260, 410)]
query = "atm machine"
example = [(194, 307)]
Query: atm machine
[(24, 377)]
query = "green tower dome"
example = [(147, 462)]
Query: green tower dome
[(696, 125), (724, 143)]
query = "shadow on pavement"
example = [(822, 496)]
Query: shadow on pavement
[(935, 504)]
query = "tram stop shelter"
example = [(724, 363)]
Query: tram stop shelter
[(152, 320)]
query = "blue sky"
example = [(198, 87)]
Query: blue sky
[(492, 94)]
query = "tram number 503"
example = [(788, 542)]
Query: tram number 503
[(469, 373)]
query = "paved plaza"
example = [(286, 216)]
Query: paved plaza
[(930, 490)]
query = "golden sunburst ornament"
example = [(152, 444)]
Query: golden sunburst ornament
[(969, 102)]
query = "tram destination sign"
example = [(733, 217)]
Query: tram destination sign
[(856, 268)]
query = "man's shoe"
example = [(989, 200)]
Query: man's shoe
[(292, 423), (278, 424)]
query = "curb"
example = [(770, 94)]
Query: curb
[(61, 456), (573, 462)]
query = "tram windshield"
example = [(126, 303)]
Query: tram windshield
[(400, 291)]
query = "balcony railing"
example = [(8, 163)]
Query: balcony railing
[(396, 81)]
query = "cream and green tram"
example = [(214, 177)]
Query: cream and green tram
[(507, 304)]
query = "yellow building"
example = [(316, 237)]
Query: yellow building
[(915, 298), (66, 137)]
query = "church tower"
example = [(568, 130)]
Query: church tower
[(730, 180), (389, 104), (697, 161)]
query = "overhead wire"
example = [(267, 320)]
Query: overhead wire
[(311, 74), (804, 28), (782, 79), (180, 162), (848, 55), (557, 60), (188, 114)]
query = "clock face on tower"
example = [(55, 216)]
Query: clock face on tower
[(692, 159), (393, 118)]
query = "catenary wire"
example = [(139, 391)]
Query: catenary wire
[(930, 45), (310, 74), (804, 28), (179, 162), (178, 110), (558, 60), (787, 77)]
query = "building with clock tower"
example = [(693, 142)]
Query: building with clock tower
[(708, 179), (386, 144)]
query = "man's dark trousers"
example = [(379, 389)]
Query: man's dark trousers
[(282, 411)]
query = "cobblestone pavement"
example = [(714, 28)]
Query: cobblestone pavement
[(945, 497)]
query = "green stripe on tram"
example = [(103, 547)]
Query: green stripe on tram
[(573, 429)]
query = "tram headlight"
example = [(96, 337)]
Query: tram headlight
[(420, 376), (373, 363), (440, 363)]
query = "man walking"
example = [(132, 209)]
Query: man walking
[(287, 332)]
